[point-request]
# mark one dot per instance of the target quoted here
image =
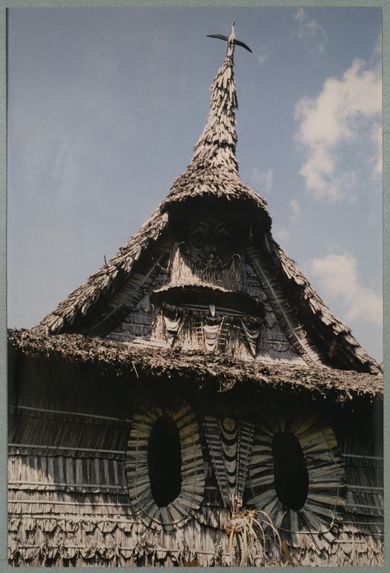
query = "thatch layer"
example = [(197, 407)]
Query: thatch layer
[(114, 542), (339, 334), (219, 133), (212, 371), (204, 180), (213, 171), (80, 301)]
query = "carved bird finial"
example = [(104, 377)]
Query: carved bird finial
[(231, 40)]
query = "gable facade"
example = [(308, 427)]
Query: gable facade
[(195, 402)]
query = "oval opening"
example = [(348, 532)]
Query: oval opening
[(290, 472), (164, 461)]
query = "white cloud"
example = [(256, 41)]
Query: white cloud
[(344, 110), (295, 211), (311, 32), (264, 180), (376, 138), (282, 234), (338, 277)]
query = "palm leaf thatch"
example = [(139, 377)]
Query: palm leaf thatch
[(219, 372)]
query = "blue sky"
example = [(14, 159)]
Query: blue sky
[(106, 104)]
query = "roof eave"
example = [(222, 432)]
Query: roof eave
[(222, 373)]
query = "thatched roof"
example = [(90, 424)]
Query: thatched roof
[(336, 334), (213, 172), (81, 300), (212, 371)]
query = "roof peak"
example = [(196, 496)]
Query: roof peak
[(217, 143), (213, 170)]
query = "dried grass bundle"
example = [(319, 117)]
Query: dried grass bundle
[(253, 540)]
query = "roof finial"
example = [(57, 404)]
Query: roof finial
[(213, 171), (231, 41)]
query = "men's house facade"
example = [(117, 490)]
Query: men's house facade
[(195, 402)]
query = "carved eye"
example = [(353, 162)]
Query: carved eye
[(198, 235), (209, 239), (221, 232)]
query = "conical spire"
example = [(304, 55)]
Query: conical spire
[(217, 144), (213, 171)]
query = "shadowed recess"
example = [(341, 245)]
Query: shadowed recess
[(164, 461), (291, 477)]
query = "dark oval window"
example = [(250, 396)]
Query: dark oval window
[(290, 472), (164, 461)]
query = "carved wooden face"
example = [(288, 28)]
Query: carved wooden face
[(210, 240)]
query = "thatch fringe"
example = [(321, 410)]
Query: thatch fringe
[(86, 541), (212, 371)]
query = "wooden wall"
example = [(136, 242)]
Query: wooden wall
[(68, 495)]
